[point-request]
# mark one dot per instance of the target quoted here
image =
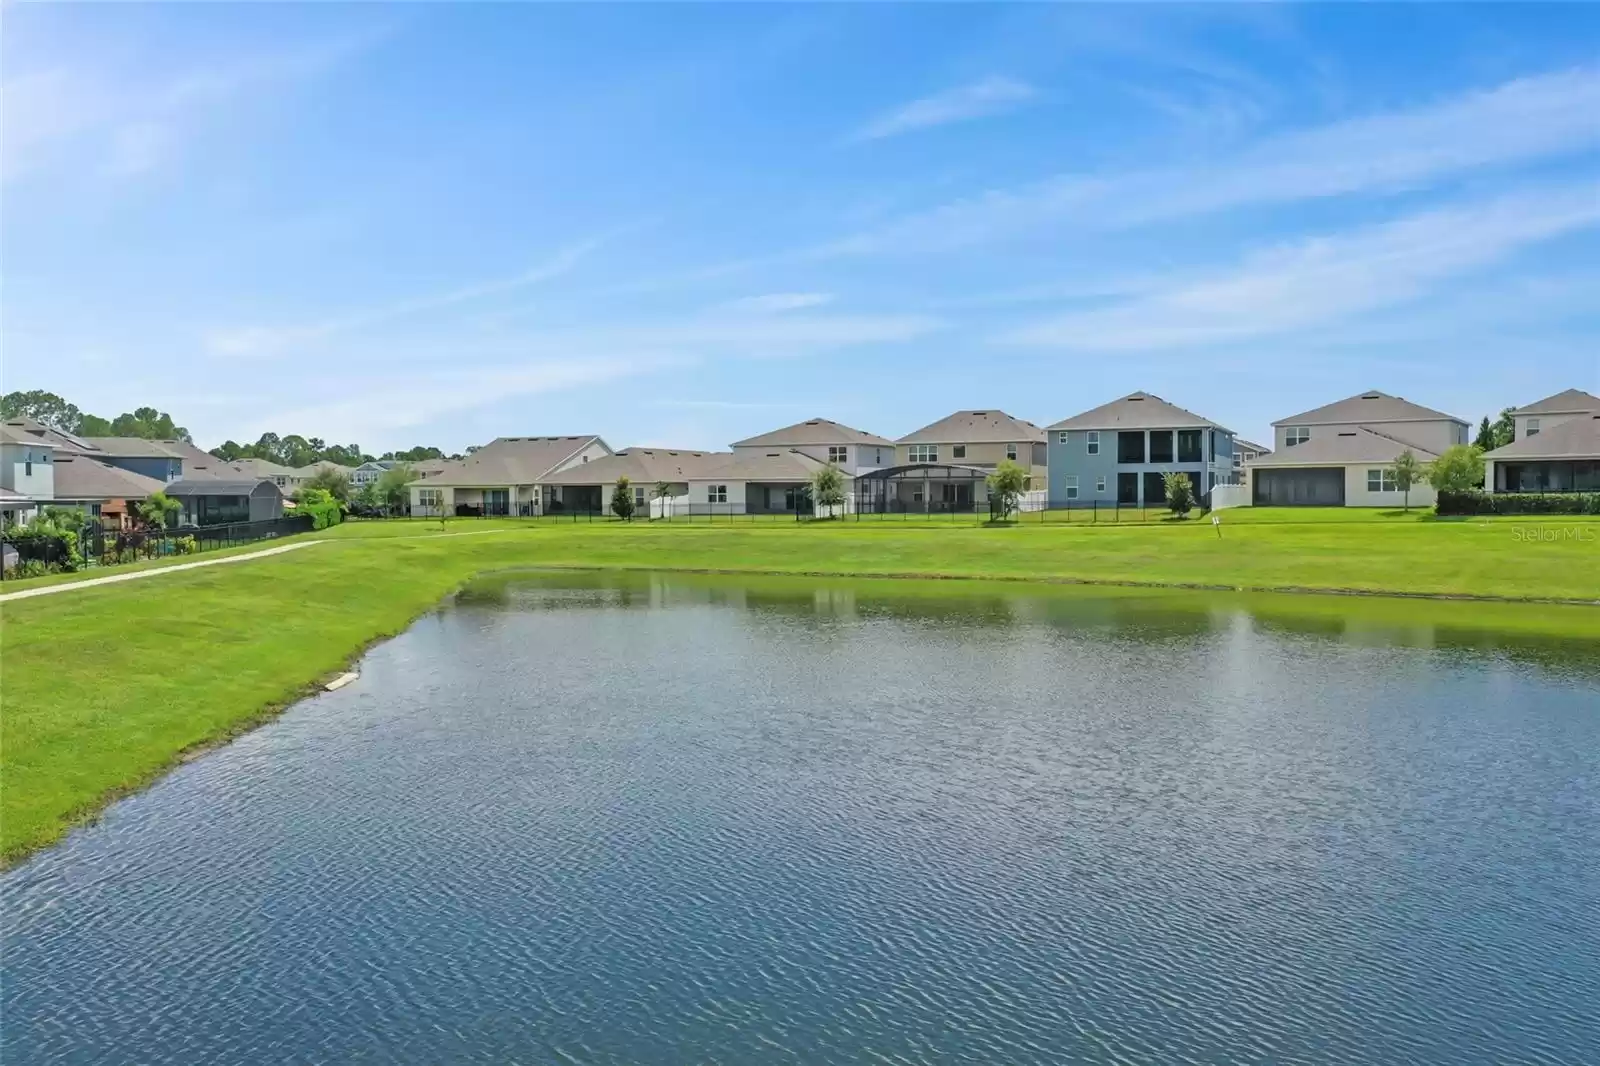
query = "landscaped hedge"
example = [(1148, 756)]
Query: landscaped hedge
[(1451, 503), (323, 515)]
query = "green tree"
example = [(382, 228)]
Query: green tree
[(148, 423), (622, 499), (1006, 486), (1459, 469), (1505, 429), (663, 492), (336, 483), (827, 490), (1485, 437), (157, 510), (393, 486), (1180, 492), (1408, 472), (43, 407)]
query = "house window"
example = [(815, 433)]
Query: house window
[(1381, 481), (838, 453), (716, 494), (1190, 448), (638, 497), (958, 451), (27, 463), (1100, 484), (1092, 438), (1011, 451), (1296, 435), (430, 497), (1161, 446), (1130, 446), (1072, 486), (1061, 438), (923, 453), (916, 494), (1533, 427)]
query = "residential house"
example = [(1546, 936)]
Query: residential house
[(976, 438), (1556, 448), (749, 481), (27, 470), (504, 477), (1342, 454), (1116, 454), (166, 460), (282, 476), (753, 480), (853, 451), (1246, 450), (370, 471), (587, 488), (220, 501), (97, 487)]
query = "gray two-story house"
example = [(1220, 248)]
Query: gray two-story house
[(1118, 452)]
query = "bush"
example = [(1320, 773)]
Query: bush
[(1180, 492), (323, 513), (1458, 470), (56, 549), (622, 500), (1477, 501), (185, 546)]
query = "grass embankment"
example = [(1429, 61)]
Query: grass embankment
[(102, 689)]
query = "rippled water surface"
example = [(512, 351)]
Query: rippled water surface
[(676, 820)]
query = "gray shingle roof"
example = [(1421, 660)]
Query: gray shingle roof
[(1137, 410), (1333, 448), (1578, 438), (781, 465), (512, 461), (1570, 401), (261, 468), (642, 466), (1367, 407), (79, 477), (976, 427), (1240, 444), (29, 431), (813, 431)]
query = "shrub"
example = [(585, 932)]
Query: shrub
[(185, 546), (1459, 469), (622, 499), (1180, 492), (56, 549), (1476, 501), (827, 490), (1006, 486)]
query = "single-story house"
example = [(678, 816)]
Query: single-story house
[(753, 481), (218, 501), (504, 477), (588, 487), (1342, 454), (94, 485), (1556, 448), (749, 481)]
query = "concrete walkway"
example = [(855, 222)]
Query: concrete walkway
[(154, 571)]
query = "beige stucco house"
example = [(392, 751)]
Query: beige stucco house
[(1342, 454), (505, 477), (853, 451), (1556, 448)]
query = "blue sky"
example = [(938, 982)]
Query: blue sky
[(679, 225)]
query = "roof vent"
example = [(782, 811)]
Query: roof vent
[(980, 412), (1135, 399), (1347, 433), (814, 422), (1371, 396)]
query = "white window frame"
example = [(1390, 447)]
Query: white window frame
[(1061, 436), (1384, 476), (958, 451), (716, 494), (1100, 484), (1293, 435), (838, 454), (1011, 452), (1091, 441), (1071, 485), (430, 497), (1533, 428), (922, 453)]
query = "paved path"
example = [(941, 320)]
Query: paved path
[(154, 571)]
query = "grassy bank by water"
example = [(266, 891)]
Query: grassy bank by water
[(101, 689)]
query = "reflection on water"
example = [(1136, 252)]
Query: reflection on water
[(665, 819)]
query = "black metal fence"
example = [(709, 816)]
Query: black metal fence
[(111, 547)]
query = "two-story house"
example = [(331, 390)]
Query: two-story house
[(1117, 453), (1556, 447), (853, 451), (1342, 454), (27, 472)]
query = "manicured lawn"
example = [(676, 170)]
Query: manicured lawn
[(103, 688)]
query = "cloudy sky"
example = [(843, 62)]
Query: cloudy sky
[(680, 226)]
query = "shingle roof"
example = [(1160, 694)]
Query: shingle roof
[(784, 465), (813, 431), (1137, 410), (1367, 407), (1578, 438), (641, 466), (1358, 445), (79, 477), (261, 468), (313, 469), (976, 427), (1571, 401), (217, 486), (1240, 444), (512, 461), (30, 431)]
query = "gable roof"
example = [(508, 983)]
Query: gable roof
[(1578, 438), (220, 487), (261, 468), (1240, 444), (507, 461), (813, 431), (1360, 444), (1367, 407), (1568, 402), (779, 465), (642, 466), (976, 427), (82, 477), (29, 431), (1138, 410)]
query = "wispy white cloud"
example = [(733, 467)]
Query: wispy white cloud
[(780, 301), (1326, 280), (991, 96), (267, 340), (1529, 119)]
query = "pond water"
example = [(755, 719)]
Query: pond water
[(645, 819)]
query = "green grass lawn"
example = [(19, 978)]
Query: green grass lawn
[(101, 689)]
